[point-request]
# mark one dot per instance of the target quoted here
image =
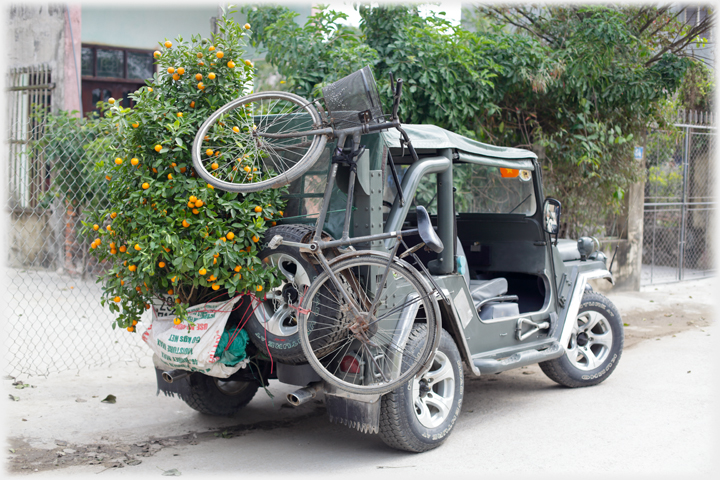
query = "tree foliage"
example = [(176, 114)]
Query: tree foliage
[(321, 51), (165, 231), (577, 84)]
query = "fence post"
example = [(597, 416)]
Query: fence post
[(683, 204)]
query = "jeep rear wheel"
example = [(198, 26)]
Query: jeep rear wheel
[(420, 415)]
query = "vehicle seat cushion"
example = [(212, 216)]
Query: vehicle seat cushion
[(483, 289), (498, 310)]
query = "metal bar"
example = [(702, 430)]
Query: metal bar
[(410, 182), (393, 170), (678, 204), (326, 203), (348, 208), (48, 86), (688, 125), (652, 260), (445, 217), (683, 211), (365, 238)]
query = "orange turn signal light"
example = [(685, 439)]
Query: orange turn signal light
[(509, 172)]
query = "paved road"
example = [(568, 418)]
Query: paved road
[(655, 415)]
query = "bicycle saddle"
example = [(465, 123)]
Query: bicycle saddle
[(427, 232)]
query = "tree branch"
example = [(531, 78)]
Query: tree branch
[(677, 45), (658, 14), (519, 25), (666, 23), (639, 13)]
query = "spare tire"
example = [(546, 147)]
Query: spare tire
[(218, 396), (273, 326)]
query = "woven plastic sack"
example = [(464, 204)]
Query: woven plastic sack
[(193, 349)]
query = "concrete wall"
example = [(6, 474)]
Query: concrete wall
[(44, 33), (627, 267), (72, 59), (39, 34), (139, 26)]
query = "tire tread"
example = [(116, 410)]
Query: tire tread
[(200, 397), (555, 370), (395, 429), (393, 423)]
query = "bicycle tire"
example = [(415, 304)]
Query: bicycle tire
[(228, 153), (380, 364)]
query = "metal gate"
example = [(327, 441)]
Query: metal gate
[(679, 201)]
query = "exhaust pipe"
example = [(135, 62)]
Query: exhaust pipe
[(174, 375), (303, 395)]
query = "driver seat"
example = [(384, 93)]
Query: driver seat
[(489, 296)]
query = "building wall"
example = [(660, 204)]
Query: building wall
[(47, 34), (71, 69), (38, 34), (143, 27)]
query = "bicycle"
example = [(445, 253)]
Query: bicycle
[(355, 318)]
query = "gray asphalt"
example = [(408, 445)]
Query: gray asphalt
[(656, 415)]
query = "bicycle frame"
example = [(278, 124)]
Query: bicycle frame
[(317, 245)]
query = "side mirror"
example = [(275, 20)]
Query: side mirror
[(551, 216)]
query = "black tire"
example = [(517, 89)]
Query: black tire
[(236, 131), (279, 342), (400, 425), (217, 396), (579, 369)]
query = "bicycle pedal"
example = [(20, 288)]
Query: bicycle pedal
[(275, 242)]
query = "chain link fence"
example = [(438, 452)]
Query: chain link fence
[(53, 311), (679, 201)]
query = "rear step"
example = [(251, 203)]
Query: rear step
[(521, 359)]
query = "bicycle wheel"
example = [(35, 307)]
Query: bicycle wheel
[(231, 153), (368, 354)]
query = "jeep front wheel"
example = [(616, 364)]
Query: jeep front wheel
[(594, 347)]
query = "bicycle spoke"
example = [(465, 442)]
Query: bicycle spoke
[(329, 335), (268, 158)]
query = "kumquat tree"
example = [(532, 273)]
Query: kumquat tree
[(167, 232)]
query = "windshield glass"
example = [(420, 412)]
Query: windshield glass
[(486, 189), (479, 189)]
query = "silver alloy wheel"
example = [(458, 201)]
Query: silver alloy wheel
[(434, 392), (276, 313), (590, 341)]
